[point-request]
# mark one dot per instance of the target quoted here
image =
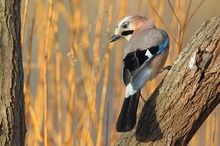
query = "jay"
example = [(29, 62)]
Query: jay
[(144, 57)]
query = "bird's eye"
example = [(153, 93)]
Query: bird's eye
[(125, 25)]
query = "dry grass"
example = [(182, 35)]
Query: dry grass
[(73, 88)]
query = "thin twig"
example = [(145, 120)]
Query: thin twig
[(24, 21), (27, 90), (187, 15), (102, 105), (174, 12), (215, 127), (173, 37), (58, 81), (182, 30), (197, 8), (45, 71), (107, 125)]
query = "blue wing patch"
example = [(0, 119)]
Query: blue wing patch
[(163, 46)]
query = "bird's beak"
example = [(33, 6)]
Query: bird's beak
[(115, 37)]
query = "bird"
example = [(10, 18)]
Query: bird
[(144, 57)]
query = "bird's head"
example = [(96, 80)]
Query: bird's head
[(129, 25)]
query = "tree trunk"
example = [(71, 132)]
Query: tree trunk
[(12, 115), (187, 95)]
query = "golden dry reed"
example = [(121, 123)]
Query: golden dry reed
[(73, 86)]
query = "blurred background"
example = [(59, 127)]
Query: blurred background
[(73, 85)]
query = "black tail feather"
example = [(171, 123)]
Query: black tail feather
[(127, 118)]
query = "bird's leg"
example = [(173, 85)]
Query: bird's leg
[(167, 67), (143, 98)]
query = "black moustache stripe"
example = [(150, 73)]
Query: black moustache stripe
[(128, 32)]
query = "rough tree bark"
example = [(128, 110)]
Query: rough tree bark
[(187, 95), (12, 116)]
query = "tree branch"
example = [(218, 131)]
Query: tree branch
[(187, 95)]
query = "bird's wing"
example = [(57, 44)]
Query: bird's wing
[(157, 50), (156, 41)]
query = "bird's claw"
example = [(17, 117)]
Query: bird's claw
[(166, 68)]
